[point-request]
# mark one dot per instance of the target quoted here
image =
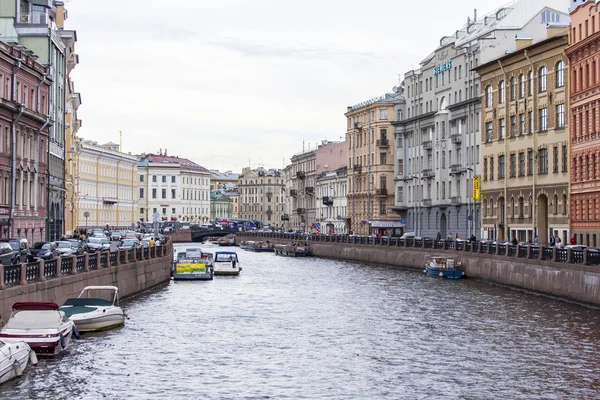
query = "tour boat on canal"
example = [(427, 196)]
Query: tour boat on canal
[(261, 247), (292, 250), (45, 328), (226, 263), (193, 264), (443, 267), (246, 244), (14, 358), (95, 314)]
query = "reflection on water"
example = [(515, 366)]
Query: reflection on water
[(323, 329)]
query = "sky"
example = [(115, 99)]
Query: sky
[(237, 83)]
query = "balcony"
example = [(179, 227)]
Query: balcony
[(328, 200), (428, 145), (455, 200), (293, 192), (309, 190), (269, 212), (285, 217), (34, 18), (269, 195), (383, 143), (357, 168), (300, 175), (456, 138), (109, 201), (456, 169), (428, 173), (381, 192), (426, 202), (300, 211)]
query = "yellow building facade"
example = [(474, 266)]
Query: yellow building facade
[(105, 187)]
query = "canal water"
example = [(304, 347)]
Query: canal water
[(322, 329)]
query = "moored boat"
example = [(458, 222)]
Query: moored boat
[(444, 267), (92, 313), (45, 328), (261, 247), (14, 358), (228, 240), (246, 244), (226, 263), (292, 250), (193, 264)]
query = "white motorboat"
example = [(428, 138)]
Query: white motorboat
[(93, 313), (226, 263), (45, 328), (14, 358)]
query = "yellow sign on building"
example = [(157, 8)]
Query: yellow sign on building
[(476, 187)]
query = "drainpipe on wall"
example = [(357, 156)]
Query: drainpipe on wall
[(13, 192), (37, 102)]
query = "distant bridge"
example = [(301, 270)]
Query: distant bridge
[(200, 235)]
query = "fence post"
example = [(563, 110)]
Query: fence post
[(554, 253), (528, 251), (118, 261), (86, 262), (74, 264), (42, 276), (507, 250), (58, 266), (134, 252), (23, 274), (2, 284), (518, 250), (541, 254), (585, 256), (569, 255), (98, 258)]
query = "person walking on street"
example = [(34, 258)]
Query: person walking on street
[(439, 236), (151, 242)]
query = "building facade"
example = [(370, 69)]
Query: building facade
[(107, 187), (221, 205), (584, 58), (223, 180), (371, 167), (332, 201), (438, 137), (262, 196), (25, 131), (176, 188), (525, 184), (301, 194)]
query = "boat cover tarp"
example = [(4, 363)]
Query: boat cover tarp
[(94, 302), (32, 305), (34, 320), (77, 310)]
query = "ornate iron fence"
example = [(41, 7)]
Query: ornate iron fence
[(50, 269), (12, 275), (32, 272), (66, 265)]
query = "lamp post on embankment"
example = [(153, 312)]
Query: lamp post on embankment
[(531, 267)]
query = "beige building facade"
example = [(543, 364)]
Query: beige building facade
[(106, 187), (261, 196), (370, 141), (525, 182)]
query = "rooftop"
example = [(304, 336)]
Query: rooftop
[(183, 162)]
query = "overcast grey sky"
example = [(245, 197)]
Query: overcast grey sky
[(232, 83)]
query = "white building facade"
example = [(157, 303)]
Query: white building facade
[(332, 201)]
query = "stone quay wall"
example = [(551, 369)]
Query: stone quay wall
[(132, 271), (181, 236), (564, 273)]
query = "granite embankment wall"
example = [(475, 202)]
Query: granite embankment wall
[(576, 282), (181, 236), (132, 272)]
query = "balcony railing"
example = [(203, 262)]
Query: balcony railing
[(269, 194), (300, 175), (456, 169), (383, 143), (293, 192), (34, 18), (328, 201), (300, 210), (455, 200), (381, 192), (285, 217), (456, 138), (309, 190), (357, 168), (427, 145), (428, 173)]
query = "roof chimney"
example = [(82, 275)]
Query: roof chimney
[(523, 41)]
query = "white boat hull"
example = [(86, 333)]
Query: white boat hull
[(14, 358), (44, 342), (226, 269), (99, 319)]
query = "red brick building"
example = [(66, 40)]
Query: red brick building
[(24, 126)]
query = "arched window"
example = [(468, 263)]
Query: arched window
[(555, 205), (501, 92), (492, 208), (521, 86), (521, 207), (485, 208), (488, 96), (512, 207), (449, 219), (542, 79), (560, 74), (443, 103), (530, 85), (513, 89)]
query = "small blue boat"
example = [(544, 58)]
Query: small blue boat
[(443, 267)]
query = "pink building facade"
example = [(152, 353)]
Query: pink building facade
[(331, 156), (24, 127)]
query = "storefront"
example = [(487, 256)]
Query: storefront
[(386, 228)]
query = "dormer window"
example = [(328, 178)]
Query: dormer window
[(501, 14), (550, 16)]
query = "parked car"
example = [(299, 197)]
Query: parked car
[(43, 250), (95, 244), (76, 246), (64, 249), (7, 255), (116, 236), (20, 247), (581, 247), (129, 244)]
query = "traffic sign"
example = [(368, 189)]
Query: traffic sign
[(476, 187), (403, 221), (318, 224)]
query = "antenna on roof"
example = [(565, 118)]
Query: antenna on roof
[(120, 141)]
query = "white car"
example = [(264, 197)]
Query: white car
[(64, 249)]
